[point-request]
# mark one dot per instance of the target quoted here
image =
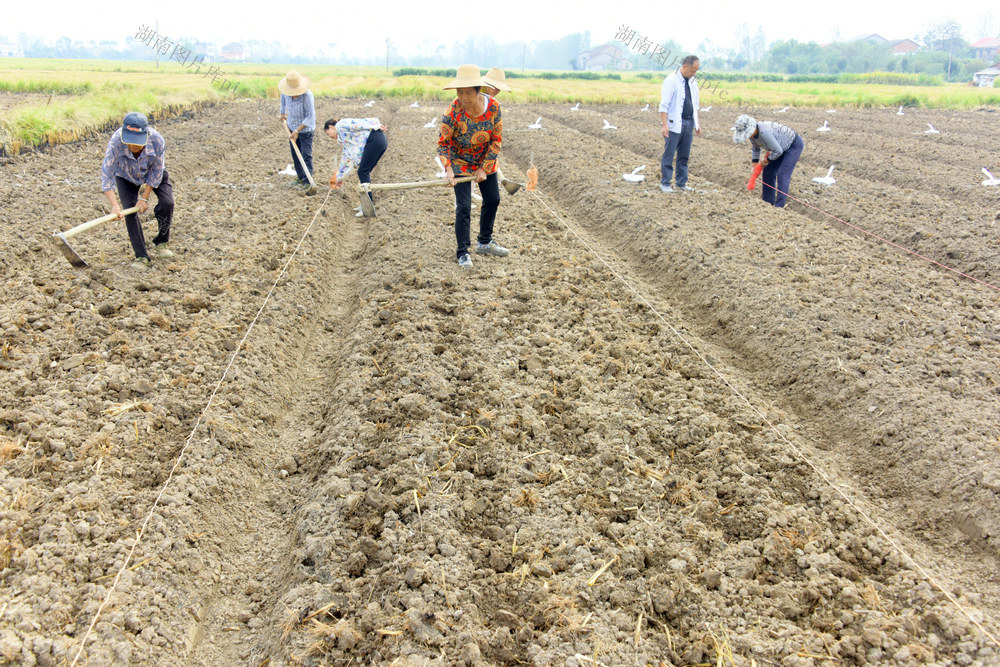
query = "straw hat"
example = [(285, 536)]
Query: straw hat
[(495, 78), (293, 84), (468, 77), (745, 126)]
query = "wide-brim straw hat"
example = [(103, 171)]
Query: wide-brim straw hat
[(468, 77), (495, 78), (743, 130), (293, 84)]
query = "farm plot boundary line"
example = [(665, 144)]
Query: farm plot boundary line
[(819, 471), (885, 240), (194, 429)]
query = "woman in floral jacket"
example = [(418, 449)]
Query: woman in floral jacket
[(469, 146)]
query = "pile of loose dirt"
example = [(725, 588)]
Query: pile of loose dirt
[(526, 462)]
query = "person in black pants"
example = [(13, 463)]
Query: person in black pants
[(134, 165), (783, 145), (469, 141), (363, 142)]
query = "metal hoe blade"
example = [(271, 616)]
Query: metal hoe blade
[(367, 207), (510, 186), (67, 251)]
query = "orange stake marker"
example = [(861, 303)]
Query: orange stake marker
[(532, 179)]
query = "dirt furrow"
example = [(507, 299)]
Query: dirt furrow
[(852, 363)]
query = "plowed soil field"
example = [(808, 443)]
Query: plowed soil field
[(667, 429)]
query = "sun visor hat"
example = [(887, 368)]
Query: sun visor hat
[(135, 129)]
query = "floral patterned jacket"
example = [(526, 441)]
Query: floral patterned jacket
[(352, 133), (468, 143)]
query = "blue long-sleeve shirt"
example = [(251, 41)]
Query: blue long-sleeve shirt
[(301, 111), (146, 169)]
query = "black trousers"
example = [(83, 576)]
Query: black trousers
[(305, 144), (490, 190), (128, 193), (374, 149)]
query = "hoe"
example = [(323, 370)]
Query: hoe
[(312, 184), (368, 208), (61, 239)]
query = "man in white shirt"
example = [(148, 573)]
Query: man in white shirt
[(679, 120)]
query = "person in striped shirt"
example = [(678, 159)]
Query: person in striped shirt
[(298, 109), (783, 146)]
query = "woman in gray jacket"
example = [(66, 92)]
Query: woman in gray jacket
[(783, 146)]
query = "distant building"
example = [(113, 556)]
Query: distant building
[(900, 47), (987, 49), (985, 78), (234, 52), (11, 50), (904, 47), (206, 49), (605, 57), (870, 37)]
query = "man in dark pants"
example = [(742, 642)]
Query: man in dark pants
[(679, 122), (297, 108), (133, 163)]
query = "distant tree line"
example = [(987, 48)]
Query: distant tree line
[(944, 53)]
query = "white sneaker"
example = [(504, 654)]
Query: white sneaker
[(465, 261), (666, 188), (162, 251), (492, 248), (687, 188), (359, 214)]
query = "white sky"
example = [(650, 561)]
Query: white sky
[(413, 27)]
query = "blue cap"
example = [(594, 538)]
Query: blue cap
[(135, 129)]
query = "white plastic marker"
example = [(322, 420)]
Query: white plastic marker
[(900, 112), (635, 176), (707, 109), (990, 180), (537, 125), (415, 105), (576, 108), (828, 179), (932, 130), (609, 126), (825, 128), (370, 103), (831, 111), (785, 110), (432, 123), (645, 108), (288, 171)]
